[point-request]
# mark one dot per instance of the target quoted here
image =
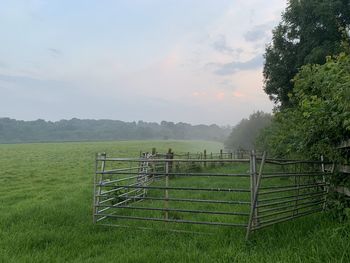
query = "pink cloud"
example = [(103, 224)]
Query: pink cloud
[(220, 95), (237, 94)]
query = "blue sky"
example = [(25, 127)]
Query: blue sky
[(191, 61)]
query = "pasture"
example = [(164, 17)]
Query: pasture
[(46, 216)]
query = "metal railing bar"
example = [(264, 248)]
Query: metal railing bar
[(141, 175), (293, 186), (290, 189), (280, 175), (191, 174), (287, 218), (125, 170), (172, 220), (126, 194), (291, 210), (178, 189), (104, 183), (172, 160), (291, 173), (178, 210), (106, 200), (190, 200), (118, 170), (120, 187), (289, 162), (115, 205), (292, 196), (288, 206)]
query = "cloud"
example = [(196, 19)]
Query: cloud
[(259, 32), (237, 94), (220, 45), (220, 95), (55, 52), (233, 67)]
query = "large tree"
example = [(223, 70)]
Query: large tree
[(320, 119), (309, 31)]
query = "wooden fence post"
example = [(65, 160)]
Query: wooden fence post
[(166, 190), (222, 163)]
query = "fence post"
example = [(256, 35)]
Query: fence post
[(100, 180), (254, 184), (144, 171), (94, 194), (170, 155), (325, 188), (253, 218), (205, 158), (166, 190), (222, 163), (297, 190)]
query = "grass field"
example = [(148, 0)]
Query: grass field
[(45, 202)]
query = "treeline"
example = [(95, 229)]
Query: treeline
[(244, 135), (16, 131), (307, 75)]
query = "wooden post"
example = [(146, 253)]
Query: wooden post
[(154, 151), (205, 158), (170, 155), (188, 163), (221, 157), (166, 190)]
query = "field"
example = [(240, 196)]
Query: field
[(46, 197)]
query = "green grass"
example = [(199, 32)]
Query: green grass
[(45, 216)]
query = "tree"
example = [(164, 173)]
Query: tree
[(309, 31), (320, 119), (244, 134)]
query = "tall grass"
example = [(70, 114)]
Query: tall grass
[(45, 216)]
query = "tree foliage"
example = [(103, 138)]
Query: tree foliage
[(320, 118), (244, 134), (309, 31), (14, 131)]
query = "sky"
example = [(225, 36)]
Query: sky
[(194, 61)]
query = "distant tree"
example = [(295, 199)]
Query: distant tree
[(244, 134), (92, 130), (309, 31)]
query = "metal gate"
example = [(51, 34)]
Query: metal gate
[(201, 189)]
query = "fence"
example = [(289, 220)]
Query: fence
[(186, 189)]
